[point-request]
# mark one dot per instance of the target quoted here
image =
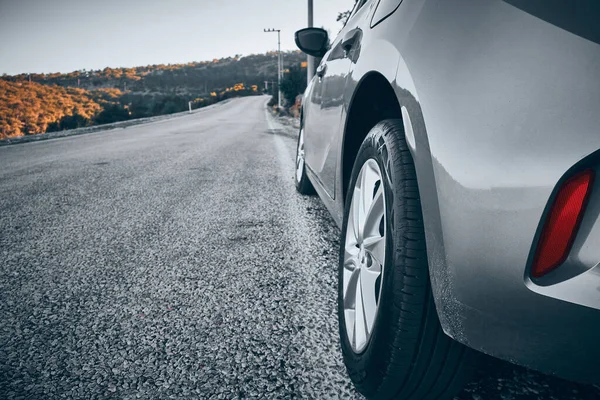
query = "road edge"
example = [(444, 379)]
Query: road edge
[(106, 127), (288, 127)]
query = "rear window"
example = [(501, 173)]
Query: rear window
[(581, 17)]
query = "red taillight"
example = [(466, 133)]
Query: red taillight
[(562, 223)]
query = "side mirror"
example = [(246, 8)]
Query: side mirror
[(313, 41)]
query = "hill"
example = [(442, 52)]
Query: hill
[(38, 103)]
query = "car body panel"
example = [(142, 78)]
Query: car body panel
[(499, 106), (326, 104)]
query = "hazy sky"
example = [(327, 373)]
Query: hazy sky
[(67, 35)]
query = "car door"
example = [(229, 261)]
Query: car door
[(327, 99)]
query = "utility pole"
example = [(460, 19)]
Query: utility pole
[(278, 63), (310, 65)]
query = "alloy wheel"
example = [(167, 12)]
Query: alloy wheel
[(364, 255), (300, 157)]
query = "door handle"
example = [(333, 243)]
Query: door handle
[(321, 70)]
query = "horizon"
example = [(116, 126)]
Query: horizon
[(151, 65), (68, 35)]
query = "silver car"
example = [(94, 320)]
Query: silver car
[(456, 144)]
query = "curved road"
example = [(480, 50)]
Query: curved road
[(175, 260)]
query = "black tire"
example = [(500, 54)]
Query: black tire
[(408, 355), (303, 184)]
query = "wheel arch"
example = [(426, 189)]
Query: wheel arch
[(376, 98), (372, 101)]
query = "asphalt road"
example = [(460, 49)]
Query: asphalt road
[(175, 260)]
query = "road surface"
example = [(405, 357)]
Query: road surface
[(175, 260)]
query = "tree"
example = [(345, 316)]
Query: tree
[(293, 84), (343, 17), (73, 121), (171, 107), (112, 113), (63, 101)]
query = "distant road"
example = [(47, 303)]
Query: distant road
[(175, 260)]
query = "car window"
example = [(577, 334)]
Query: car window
[(357, 6), (361, 3)]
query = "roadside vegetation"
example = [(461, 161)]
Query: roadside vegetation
[(293, 85), (37, 103)]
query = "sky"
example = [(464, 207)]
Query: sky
[(45, 36)]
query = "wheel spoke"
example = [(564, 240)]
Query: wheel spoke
[(356, 215), (370, 177), (360, 328), (350, 253), (374, 214), (351, 287), (368, 280), (349, 319)]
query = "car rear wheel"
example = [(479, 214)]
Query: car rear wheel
[(303, 184), (392, 342)]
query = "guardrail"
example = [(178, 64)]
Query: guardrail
[(104, 127)]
